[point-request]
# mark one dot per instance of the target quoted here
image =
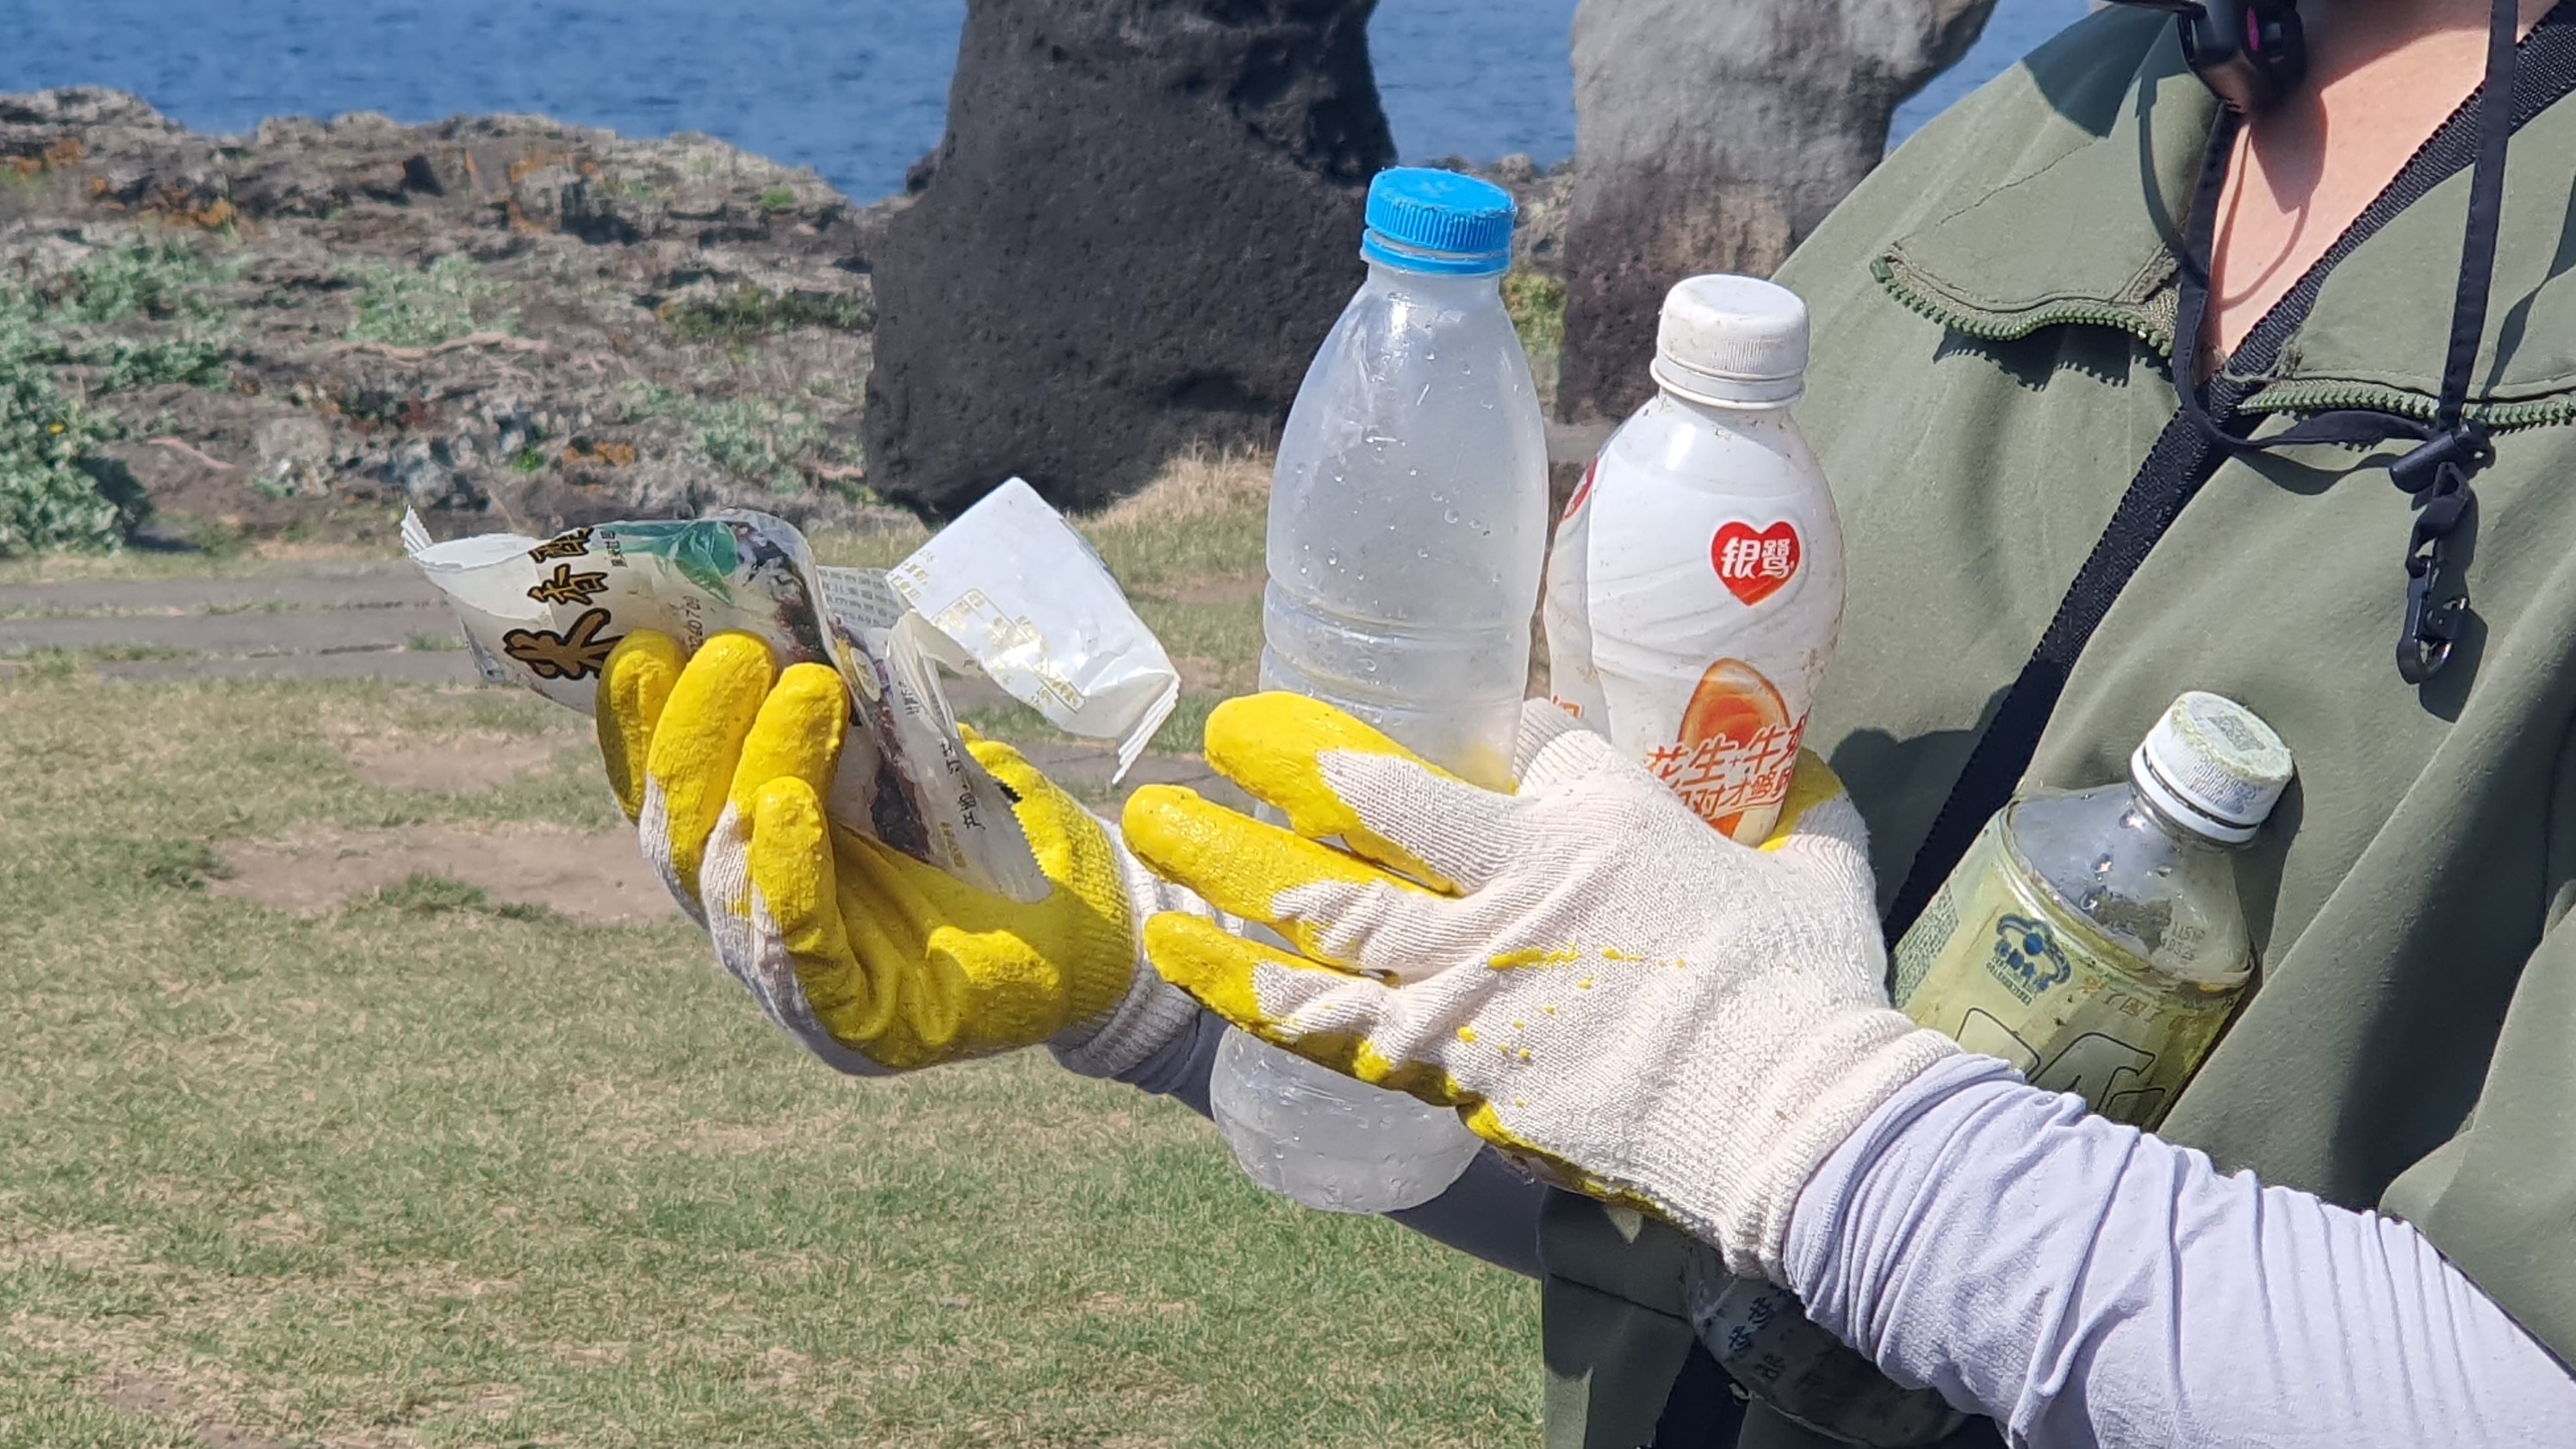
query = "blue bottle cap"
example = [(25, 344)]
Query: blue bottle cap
[(1422, 220)]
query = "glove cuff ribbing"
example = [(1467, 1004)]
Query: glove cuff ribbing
[(1740, 1173), (1153, 1011)]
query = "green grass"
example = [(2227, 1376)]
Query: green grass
[(753, 438), (229, 561), (57, 489), (1537, 304), (52, 661), (777, 199), (422, 307), (749, 312), (423, 1171)]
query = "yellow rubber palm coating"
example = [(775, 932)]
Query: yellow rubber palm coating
[(797, 735), (1072, 849), (1052, 822), (886, 945), (633, 688), (1812, 785), (1236, 863), (861, 951), (1221, 970), (1273, 745), (897, 958), (891, 958), (790, 860), (700, 738), (853, 985), (946, 972)]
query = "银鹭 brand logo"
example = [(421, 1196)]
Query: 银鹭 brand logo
[(2027, 959), (1755, 564)]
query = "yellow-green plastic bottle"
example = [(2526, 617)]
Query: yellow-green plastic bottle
[(2095, 940)]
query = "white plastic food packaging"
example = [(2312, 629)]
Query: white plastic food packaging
[(1696, 588), (1023, 596), (545, 613)]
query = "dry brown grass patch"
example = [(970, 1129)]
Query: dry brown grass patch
[(1201, 483), (466, 764), (596, 875)]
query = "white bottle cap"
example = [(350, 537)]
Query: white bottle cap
[(2212, 766), (1733, 342)]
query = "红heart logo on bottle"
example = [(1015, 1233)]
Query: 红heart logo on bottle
[(1752, 565)]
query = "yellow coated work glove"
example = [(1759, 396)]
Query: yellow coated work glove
[(1606, 988), (875, 961)]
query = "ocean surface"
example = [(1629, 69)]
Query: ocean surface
[(855, 89)]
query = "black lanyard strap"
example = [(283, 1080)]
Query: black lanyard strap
[(2450, 450), (2194, 443)]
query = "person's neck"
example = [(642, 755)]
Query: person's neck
[(2382, 77)]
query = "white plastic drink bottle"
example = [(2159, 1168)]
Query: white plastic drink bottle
[(1692, 606), (1697, 584), (1408, 524)]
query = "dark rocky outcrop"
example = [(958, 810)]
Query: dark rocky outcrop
[(1143, 219), (1712, 136)]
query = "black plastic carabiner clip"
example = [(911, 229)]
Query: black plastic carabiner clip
[(2432, 627), (2435, 475)]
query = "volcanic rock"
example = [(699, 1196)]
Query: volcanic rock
[(1143, 219)]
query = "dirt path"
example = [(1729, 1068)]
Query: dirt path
[(356, 620)]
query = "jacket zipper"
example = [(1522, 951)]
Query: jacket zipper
[(1985, 327), (2326, 397), (2141, 323)]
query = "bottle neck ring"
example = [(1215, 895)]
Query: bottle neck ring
[(1381, 250), (2179, 811), (1711, 388)]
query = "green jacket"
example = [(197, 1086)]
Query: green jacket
[(1993, 313)]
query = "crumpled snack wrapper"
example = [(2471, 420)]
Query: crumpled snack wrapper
[(544, 614)]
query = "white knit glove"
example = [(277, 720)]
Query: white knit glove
[(1607, 988)]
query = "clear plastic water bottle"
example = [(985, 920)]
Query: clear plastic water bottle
[(1408, 527)]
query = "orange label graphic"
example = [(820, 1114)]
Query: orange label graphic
[(1738, 747)]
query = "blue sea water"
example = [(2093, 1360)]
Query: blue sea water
[(855, 89)]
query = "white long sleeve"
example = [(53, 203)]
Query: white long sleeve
[(2092, 1287)]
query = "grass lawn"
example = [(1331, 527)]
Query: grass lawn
[(420, 1170)]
